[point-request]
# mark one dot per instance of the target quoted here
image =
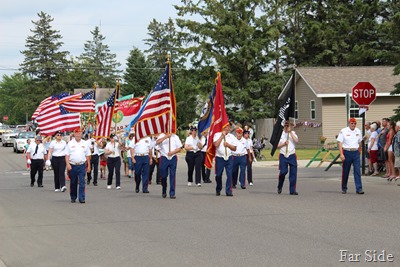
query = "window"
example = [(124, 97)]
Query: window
[(354, 110), (296, 110), (312, 109)]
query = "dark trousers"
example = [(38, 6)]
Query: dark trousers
[(284, 164), (77, 176), (58, 164), (193, 161), (249, 167), (94, 165), (351, 157), (205, 172), (220, 165), (37, 166), (239, 162), (114, 163), (152, 167), (168, 165), (142, 171)]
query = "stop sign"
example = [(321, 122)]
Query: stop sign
[(363, 93)]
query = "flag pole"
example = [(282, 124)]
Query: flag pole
[(118, 80), (170, 106)]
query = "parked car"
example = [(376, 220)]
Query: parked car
[(8, 138), (4, 129), (21, 140)]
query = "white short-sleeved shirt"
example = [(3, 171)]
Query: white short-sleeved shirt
[(250, 144), (39, 153), (164, 145), (241, 148), (220, 150), (93, 146), (350, 139), (59, 148), (291, 149), (143, 146), (373, 135), (204, 141), (115, 148), (77, 151), (128, 143), (193, 142)]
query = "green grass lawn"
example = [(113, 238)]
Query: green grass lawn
[(302, 154)]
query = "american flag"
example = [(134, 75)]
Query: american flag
[(159, 108), (104, 117), (54, 117), (80, 103), (41, 105)]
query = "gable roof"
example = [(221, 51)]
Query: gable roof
[(338, 81)]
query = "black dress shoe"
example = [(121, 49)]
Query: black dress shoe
[(72, 200), (294, 193), (217, 193), (40, 185), (32, 185), (82, 201), (207, 181), (243, 187), (137, 190), (172, 197), (360, 192), (279, 191), (88, 182), (229, 194), (234, 186), (146, 192), (164, 195), (95, 184)]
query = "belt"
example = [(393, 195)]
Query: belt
[(239, 155), (141, 155), (77, 163), (192, 151), (350, 149)]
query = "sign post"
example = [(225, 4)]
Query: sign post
[(363, 93)]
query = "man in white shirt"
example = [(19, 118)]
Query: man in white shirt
[(349, 144), (35, 157), (77, 159), (287, 158), (239, 159), (141, 153), (225, 143), (170, 145)]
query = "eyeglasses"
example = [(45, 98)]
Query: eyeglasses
[(58, 134), (353, 123)]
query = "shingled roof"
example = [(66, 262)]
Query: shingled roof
[(338, 81)]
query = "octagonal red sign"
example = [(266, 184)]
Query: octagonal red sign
[(363, 93)]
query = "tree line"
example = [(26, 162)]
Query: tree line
[(254, 43)]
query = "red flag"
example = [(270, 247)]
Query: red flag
[(44, 103), (218, 122)]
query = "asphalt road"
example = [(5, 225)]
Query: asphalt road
[(256, 227)]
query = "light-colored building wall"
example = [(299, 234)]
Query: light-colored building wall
[(308, 135)]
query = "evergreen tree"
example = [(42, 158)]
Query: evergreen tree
[(98, 63), (139, 76), (44, 61)]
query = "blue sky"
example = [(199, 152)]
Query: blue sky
[(122, 22)]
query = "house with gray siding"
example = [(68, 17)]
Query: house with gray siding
[(320, 98)]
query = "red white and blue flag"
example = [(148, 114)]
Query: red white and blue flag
[(158, 112), (104, 117), (52, 117), (79, 102)]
